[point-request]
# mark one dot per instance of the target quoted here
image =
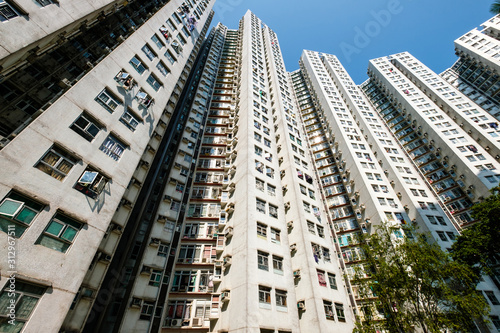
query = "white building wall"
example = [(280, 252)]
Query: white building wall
[(439, 126), (37, 262)]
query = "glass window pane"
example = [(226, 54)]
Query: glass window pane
[(26, 215), (54, 228), (8, 328), (93, 129), (25, 306), (82, 122), (69, 233), (5, 301), (53, 244), (9, 207)]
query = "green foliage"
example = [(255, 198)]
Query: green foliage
[(495, 7), (413, 283), (479, 245)]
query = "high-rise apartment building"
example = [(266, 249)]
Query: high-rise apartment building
[(477, 71), (86, 100), (231, 193)]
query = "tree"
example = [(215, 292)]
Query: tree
[(479, 244), (409, 282), (495, 7)]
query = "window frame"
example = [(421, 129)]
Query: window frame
[(84, 132), (23, 289), (66, 223), (6, 220), (117, 148), (54, 169)]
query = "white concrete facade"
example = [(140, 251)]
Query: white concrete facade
[(69, 215)]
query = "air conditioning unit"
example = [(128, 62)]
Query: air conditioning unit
[(172, 322), (104, 257), (296, 273), (287, 205), (87, 293), (117, 228), (301, 305), (197, 322), (154, 242), (136, 302), (293, 247), (289, 224), (225, 296), (227, 261), (146, 270), (229, 232)]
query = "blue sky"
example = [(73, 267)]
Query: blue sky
[(359, 30)]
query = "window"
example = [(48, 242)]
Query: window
[(157, 41), (107, 100), (442, 236), (56, 163), (326, 254), (258, 150), (44, 3), (280, 298), (185, 31), (19, 211), (261, 230), (170, 57), (113, 147), (491, 296), (261, 206), (277, 264), (59, 233), (491, 179), (263, 260), (162, 68), (327, 305), (321, 231), (175, 205), (264, 295), (271, 190), (170, 24), (86, 126), (321, 278), (275, 236), (162, 250), (451, 235), (273, 211), (130, 120), (7, 12), (91, 183), (496, 322), (137, 64), (153, 82), (332, 281), (144, 99), (25, 297), (155, 278), (339, 308), (270, 172), (310, 227), (148, 52), (259, 184), (147, 310)]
